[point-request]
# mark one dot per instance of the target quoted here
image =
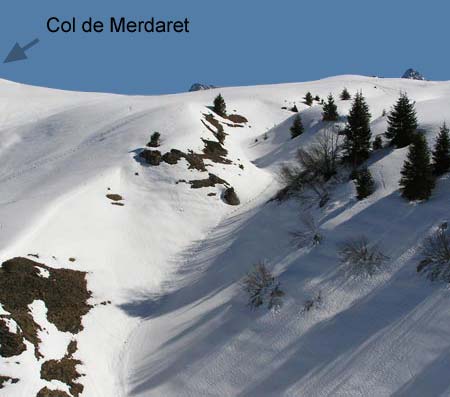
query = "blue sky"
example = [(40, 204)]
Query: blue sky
[(231, 43)]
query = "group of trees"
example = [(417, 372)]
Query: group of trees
[(421, 166)]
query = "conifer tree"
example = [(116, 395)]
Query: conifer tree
[(441, 152), (297, 127), (308, 99), (417, 180), (154, 139), (357, 132), (345, 95), (365, 184), (219, 106), (317, 98), (377, 143), (402, 122), (330, 110)]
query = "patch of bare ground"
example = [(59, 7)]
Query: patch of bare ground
[(211, 181), (11, 344), (218, 132), (237, 119), (114, 197), (6, 379), (213, 151), (46, 392), (65, 371), (64, 293)]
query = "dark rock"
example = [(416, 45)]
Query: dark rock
[(152, 157), (230, 197), (412, 75), (201, 87)]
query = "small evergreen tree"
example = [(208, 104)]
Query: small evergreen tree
[(330, 110), (441, 152), (154, 139), (297, 127), (377, 143), (219, 106), (308, 99), (345, 95), (294, 109), (317, 98), (402, 122), (357, 132), (417, 180), (365, 184)]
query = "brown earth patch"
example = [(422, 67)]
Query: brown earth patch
[(219, 132), (237, 118), (46, 392), (10, 344), (114, 197), (211, 181), (65, 371), (5, 379), (64, 293), (72, 348), (215, 152)]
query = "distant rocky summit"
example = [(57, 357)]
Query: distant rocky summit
[(201, 87), (412, 75)]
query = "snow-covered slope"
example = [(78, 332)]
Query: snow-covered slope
[(171, 259)]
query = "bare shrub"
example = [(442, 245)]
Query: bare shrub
[(312, 303), (360, 257), (321, 157), (316, 164), (262, 288), (436, 254), (308, 235)]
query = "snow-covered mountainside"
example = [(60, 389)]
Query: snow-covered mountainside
[(164, 312)]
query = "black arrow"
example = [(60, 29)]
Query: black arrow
[(18, 53)]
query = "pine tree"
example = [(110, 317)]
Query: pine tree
[(317, 98), (357, 132), (441, 152), (345, 95), (365, 184), (219, 106), (154, 139), (417, 180), (308, 99), (330, 110), (402, 122), (297, 127), (377, 143)]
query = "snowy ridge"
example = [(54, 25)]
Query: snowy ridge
[(172, 258)]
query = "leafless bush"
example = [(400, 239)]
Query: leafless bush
[(436, 254), (360, 258), (308, 235), (316, 164), (312, 303), (262, 288), (320, 158)]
